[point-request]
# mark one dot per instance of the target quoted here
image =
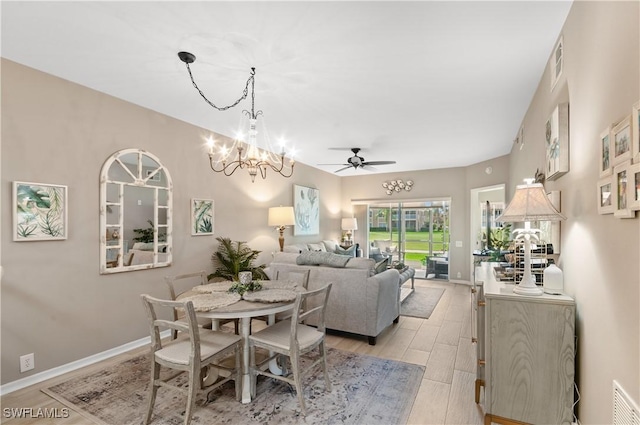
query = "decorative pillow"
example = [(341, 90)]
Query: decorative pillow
[(381, 265), (316, 247), (317, 258), (330, 245), (351, 251)]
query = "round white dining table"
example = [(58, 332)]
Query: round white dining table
[(245, 310)]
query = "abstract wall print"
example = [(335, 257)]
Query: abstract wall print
[(635, 132), (622, 141), (605, 194), (201, 217), (557, 142), (621, 191), (605, 153), (306, 204), (39, 212)]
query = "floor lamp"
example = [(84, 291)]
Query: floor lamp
[(281, 218), (529, 203)]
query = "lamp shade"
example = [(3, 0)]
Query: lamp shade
[(349, 223), (530, 203), (281, 216)]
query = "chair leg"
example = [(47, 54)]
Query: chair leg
[(155, 375), (295, 365), (194, 384), (323, 352)]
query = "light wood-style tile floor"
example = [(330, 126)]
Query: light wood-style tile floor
[(441, 343)]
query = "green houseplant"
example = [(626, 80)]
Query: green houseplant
[(144, 235), (232, 258)]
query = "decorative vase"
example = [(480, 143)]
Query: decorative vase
[(245, 277), (553, 281)]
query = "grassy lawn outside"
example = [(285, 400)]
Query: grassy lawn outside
[(415, 241)]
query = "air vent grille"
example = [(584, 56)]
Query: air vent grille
[(625, 410)]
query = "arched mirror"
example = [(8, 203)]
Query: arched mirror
[(135, 212)]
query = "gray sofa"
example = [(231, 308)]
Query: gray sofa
[(361, 301)]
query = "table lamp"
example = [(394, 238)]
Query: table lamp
[(281, 217), (349, 225), (529, 203)]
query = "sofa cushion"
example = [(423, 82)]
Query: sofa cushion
[(381, 265), (330, 245), (322, 258), (316, 247), (351, 251)]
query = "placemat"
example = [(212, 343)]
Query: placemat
[(213, 287), (270, 296), (281, 284), (207, 302)]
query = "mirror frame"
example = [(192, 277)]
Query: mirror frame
[(139, 180)]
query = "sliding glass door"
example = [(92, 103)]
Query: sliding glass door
[(415, 233)]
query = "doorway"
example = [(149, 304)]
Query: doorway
[(415, 233), (486, 204)]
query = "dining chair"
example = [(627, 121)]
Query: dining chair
[(293, 339), (179, 284), (195, 349), (299, 277)]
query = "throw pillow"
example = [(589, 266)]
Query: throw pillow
[(381, 265), (317, 258), (316, 247), (351, 251)]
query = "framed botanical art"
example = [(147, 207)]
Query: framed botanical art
[(605, 153), (39, 212), (620, 191), (605, 194), (306, 205), (635, 132), (557, 142), (201, 217), (622, 141), (633, 193)]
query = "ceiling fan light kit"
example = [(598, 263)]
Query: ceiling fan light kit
[(396, 186), (250, 155)]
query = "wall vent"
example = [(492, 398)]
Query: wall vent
[(625, 410)]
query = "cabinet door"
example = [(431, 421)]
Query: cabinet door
[(531, 355)]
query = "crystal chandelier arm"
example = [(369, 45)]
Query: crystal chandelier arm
[(188, 58)]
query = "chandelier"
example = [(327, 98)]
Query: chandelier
[(248, 154)]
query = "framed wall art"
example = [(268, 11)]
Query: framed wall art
[(306, 205), (633, 193), (201, 217), (557, 142), (39, 212), (635, 132), (621, 146), (605, 195), (620, 191), (605, 153)]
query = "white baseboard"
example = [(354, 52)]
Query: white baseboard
[(70, 367)]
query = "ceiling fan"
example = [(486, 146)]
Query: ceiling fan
[(358, 162)]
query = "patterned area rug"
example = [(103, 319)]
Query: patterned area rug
[(421, 302), (366, 390)]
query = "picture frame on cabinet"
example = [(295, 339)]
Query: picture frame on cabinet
[(557, 142), (621, 142), (620, 187), (605, 195), (635, 132), (605, 153), (201, 217), (634, 187), (39, 212)]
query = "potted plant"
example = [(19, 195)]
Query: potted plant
[(232, 258)]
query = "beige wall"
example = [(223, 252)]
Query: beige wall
[(452, 183), (54, 302), (599, 253)]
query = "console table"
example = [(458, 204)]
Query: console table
[(526, 353)]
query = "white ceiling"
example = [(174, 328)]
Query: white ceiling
[(427, 84)]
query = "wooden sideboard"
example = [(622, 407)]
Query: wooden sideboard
[(526, 353)]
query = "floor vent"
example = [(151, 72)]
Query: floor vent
[(625, 410)]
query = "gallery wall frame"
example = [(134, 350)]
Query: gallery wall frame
[(620, 187), (633, 194), (557, 142), (202, 220), (605, 195), (621, 141), (39, 211), (635, 132), (306, 205), (606, 168)]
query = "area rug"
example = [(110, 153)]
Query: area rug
[(365, 390), (421, 302)]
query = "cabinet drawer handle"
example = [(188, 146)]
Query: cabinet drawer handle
[(473, 290), (481, 303), (482, 362), (474, 340)]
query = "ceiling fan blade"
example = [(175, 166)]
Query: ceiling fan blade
[(342, 169), (368, 167), (336, 164), (378, 162)]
